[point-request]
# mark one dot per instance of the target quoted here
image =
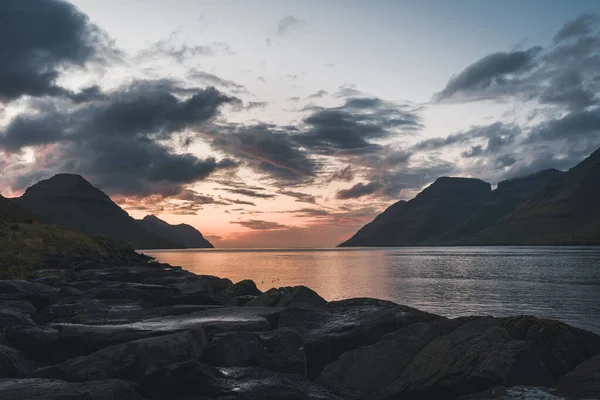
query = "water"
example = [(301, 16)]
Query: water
[(553, 282)]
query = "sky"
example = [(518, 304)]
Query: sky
[(291, 123)]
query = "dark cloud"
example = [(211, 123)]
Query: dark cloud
[(250, 193), (353, 125), (241, 202), (343, 174), (287, 24), (259, 225), (575, 126), (358, 190), (299, 196), (267, 149), (564, 74), (213, 80), (180, 52), (121, 141), (39, 38), (311, 213), (492, 72)]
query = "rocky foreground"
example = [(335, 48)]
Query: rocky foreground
[(155, 332)]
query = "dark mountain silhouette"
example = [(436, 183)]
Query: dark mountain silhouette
[(10, 212), (182, 234), (72, 201), (547, 208)]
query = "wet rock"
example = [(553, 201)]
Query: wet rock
[(46, 389), (193, 380), (243, 300), (204, 283), (360, 372), (563, 346), (476, 356), (244, 288), (288, 297), (130, 361), (69, 291), (281, 350), (199, 298), (584, 381), (13, 364), (11, 318), (64, 309), (24, 306), (141, 295), (341, 326)]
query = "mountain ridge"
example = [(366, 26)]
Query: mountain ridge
[(182, 234), (550, 207)]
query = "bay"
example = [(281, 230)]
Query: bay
[(551, 282)]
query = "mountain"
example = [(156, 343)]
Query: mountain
[(72, 201), (182, 234), (550, 207), (10, 212)]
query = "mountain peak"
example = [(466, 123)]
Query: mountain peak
[(457, 186), (63, 184)]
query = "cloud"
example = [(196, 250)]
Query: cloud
[(40, 39), (180, 52), (250, 193), (299, 196), (211, 79), (353, 125), (256, 104), (343, 174), (119, 142), (267, 149), (358, 190), (259, 225), (287, 24), (574, 126), (268, 42), (581, 26), (493, 72), (318, 94)]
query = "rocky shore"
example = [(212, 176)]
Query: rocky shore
[(151, 331)]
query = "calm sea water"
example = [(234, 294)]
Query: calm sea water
[(554, 282)]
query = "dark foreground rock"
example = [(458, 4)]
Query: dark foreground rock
[(154, 332), (47, 389)]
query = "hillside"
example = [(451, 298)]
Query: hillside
[(183, 234), (70, 200), (25, 246), (550, 207)]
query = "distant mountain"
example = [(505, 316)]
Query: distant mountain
[(550, 207), (72, 201), (182, 234)]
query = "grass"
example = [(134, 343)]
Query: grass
[(26, 247)]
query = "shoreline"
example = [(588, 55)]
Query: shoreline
[(153, 331)]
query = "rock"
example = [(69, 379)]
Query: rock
[(341, 326), (476, 356), (46, 389), (36, 342), (243, 300), (68, 291), (204, 283), (193, 380), (24, 306), (198, 298), (12, 364), (11, 318), (515, 393), (244, 288), (288, 297), (130, 361), (281, 351), (584, 381), (150, 295), (563, 346), (360, 372), (26, 287), (69, 307)]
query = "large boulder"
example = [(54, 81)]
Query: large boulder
[(281, 350), (131, 360), (584, 381), (297, 296), (563, 346), (47, 389), (244, 288), (37, 342), (362, 371), (13, 364), (10, 318), (330, 331), (192, 380), (26, 287), (477, 355)]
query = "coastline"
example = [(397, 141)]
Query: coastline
[(152, 331)]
